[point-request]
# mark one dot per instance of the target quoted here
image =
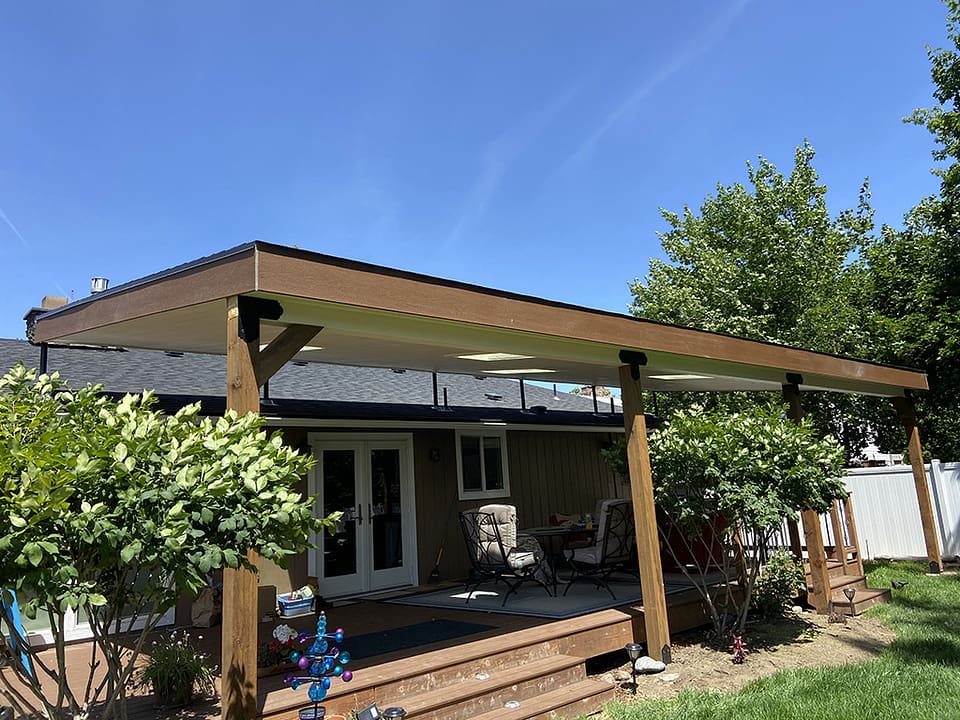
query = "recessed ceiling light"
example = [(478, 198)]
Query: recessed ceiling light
[(520, 371), (495, 357), (680, 377)]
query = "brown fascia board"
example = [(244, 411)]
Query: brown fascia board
[(232, 272), (287, 271), (279, 270)]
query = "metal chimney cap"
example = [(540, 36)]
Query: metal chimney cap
[(98, 285)]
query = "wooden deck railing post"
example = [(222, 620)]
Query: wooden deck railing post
[(908, 417), (852, 530), (813, 536), (796, 546), (655, 619), (839, 540)]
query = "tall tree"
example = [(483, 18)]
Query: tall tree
[(769, 262), (913, 274)]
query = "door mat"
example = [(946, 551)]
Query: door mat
[(408, 636)]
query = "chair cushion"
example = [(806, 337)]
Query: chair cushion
[(505, 517), (520, 560), (588, 555)]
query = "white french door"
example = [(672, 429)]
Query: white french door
[(369, 478)]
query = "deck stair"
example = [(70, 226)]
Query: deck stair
[(840, 578), (536, 673), (844, 565)]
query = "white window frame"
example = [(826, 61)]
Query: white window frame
[(501, 435)]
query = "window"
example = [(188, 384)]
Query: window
[(483, 464)]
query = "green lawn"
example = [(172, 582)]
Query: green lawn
[(917, 676)]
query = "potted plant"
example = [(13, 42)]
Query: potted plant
[(274, 655), (175, 669)]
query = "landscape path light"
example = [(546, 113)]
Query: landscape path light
[(633, 652)]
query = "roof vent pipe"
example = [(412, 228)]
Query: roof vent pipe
[(98, 285)]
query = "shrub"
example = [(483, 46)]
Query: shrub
[(780, 579)]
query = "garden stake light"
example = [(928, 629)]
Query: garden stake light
[(633, 652), (849, 592)]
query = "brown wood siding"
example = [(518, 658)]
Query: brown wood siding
[(553, 472), (550, 471), (436, 491)]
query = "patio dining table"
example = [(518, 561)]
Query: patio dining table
[(556, 535)]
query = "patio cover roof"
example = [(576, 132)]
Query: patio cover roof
[(380, 317)]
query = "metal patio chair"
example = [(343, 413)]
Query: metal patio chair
[(490, 535), (612, 551)]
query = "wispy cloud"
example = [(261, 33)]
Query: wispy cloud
[(498, 157), (23, 241), (697, 46), (9, 222)]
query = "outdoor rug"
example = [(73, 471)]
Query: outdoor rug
[(533, 601), (408, 636)]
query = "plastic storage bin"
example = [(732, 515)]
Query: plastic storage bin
[(296, 605)]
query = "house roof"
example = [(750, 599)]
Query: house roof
[(371, 316), (314, 390)]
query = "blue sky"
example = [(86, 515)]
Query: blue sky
[(521, 145)]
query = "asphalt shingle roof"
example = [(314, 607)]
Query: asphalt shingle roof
[(311, 389)]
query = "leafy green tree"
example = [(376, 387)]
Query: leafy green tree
[(768, 262), (727, 481), (912, 275), (114, 510)]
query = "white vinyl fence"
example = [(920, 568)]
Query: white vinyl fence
[(888, 516)]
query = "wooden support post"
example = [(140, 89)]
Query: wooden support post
[(238, 700), (816, 555), (645, 519), (247, 369), (908, 417), (852, 530)]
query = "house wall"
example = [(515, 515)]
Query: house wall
[(550, 472)]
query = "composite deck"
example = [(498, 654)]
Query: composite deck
[(536, 663)]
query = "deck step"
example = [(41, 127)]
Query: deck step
[(525, 665), (476, 695), (838, 582), (568, 702), (863, 599)]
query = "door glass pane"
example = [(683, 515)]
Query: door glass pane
[(340, 493), (385, 511), (493, 463), (470, 460)]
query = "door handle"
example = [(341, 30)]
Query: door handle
[(359, 514)]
